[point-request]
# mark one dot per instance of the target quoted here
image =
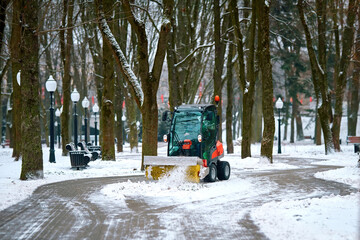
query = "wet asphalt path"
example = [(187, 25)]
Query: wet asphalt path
[(66, 210)]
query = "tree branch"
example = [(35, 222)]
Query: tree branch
[(191, 54), (163, 39), (139, 28), (313, 59), (120, 57), (148, 14)]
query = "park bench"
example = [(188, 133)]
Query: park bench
[(78, 158), (307, 137), (355, 140), (94, 148), (95, 152), (5, 143)]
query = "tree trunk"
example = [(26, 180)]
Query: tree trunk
[(96, 54), (318, 68), (2, 73), (219, 60), (325, 126), (267, 82), (325, 108), (317, 127), (118, 103), (257, 114), (248, 87), (107, 103), (299, 128), (286, 120), (131, 120), (230, 100), (150, 125), (3, 6), (44, 119), (173, 80), (292, 124), (32, 161), (16, 67), (66, 56), (347, 43), (121, 33), (354, 103), (240, 116)]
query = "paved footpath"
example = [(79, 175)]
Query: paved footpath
[(67, 210)]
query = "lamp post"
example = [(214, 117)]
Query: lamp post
[(75, 96), (95, 110), (85, 104), (279, 105), (51, 87), (57, 114)]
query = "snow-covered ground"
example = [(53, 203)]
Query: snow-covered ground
[(331, 217)]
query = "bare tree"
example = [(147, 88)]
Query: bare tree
[(318, 68), (65, 44), (144, 95), (107, 103), (189, 51), (15, 68), (230, 99), (343, 63), (246, 82), (219, 58), (354, 102), (3, 6), (266, 79)]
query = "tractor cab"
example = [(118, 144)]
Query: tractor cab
[(193, 131)]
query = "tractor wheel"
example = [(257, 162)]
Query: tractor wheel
[(223, 170), (211, 177)]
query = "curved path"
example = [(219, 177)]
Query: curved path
[(69, 210)]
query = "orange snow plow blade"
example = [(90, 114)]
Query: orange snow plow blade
[(157, 167)]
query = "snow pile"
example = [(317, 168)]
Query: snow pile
[(165, 191), (175, 189), (347, 175), (256, 163), (331, 216), (174, 183)]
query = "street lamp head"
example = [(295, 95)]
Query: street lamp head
[(75, 96), (95, 108), (51, 84), (57, 113), (123, 118), (279, 104), (18, 77), (85, 103), (138, 124)]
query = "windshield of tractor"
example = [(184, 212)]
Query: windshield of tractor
[(187, 125)]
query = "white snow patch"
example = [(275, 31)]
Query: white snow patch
[(347, 175), (336, 217)]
